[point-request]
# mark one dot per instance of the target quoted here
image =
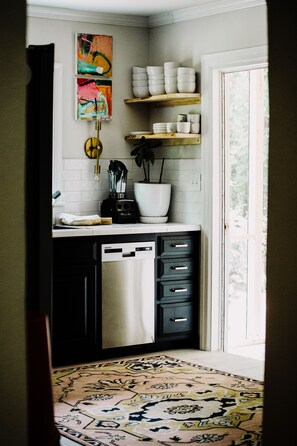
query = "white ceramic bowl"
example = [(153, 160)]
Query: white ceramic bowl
[(185, 70), (137, 69), (156, 89), (186, 78), (186, 87), (140, 92), (143, 83), (171, 88), (154, 69), (154, 77), (139, 76), (168, 65), (156, 82), (183, 127), (170, 72)]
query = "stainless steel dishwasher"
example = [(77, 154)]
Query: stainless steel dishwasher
[(128, 284)]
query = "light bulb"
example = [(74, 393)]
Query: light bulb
[(97, 172)]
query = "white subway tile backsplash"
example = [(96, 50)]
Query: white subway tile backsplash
[(71, 197), (83, 195), (72, 175), (72, 186)]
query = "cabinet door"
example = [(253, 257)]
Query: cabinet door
[(74, 313)]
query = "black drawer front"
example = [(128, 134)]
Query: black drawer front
[(176, 318), (176, 245), (175, 290), (81, 251), (175, 267)]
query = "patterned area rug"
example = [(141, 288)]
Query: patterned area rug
[(157, 400)]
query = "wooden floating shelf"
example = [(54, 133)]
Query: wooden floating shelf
[(167, 99), (170, 139)]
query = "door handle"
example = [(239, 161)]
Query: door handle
[(178, 319), (179, 290), (179, 245), (179, 268)]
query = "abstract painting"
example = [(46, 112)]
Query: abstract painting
[(93, 55), (94, 97)]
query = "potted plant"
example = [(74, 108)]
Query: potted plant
[(153, 198)]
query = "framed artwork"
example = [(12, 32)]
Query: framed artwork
[(93, 97), (93, 55)]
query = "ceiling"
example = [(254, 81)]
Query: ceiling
[(131, 7)]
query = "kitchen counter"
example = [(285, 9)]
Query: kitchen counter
[(119, 229)]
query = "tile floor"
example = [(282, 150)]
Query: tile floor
[(228, 362)]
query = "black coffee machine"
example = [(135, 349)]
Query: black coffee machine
[(117, 206)]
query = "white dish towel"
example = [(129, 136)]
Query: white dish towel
[(69, 219)]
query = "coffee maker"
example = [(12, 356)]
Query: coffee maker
[(117, 205)]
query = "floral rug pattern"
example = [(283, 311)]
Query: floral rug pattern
[(156, 400)]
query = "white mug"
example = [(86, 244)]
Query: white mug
[(171, 127), (195, 127), (193, 117), (183, 127), (181, 118)]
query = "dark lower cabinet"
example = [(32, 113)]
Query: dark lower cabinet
[(177, 288), (76, 317), (74, 312)]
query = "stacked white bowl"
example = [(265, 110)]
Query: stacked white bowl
[(156, 83), (160, 127), (170, 75), (139, 82), (186, 81)]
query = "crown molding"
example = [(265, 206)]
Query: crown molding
[(87, 16), (205, 8)]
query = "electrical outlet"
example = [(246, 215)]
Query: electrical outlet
[(196, 180)]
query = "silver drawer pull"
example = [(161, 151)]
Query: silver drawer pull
[(179, 268), (179, 245), (179, 319), (179, 290)]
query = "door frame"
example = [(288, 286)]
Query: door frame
[(212, 66)]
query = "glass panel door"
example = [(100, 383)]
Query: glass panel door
[(245, 136)]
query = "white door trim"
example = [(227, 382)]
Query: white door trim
[(212, 66)]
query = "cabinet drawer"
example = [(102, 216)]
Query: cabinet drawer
[(175, 318), (67, 251), (176, 289), (179, 245), (175, 267)]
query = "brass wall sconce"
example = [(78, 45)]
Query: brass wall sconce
[(94, 147)]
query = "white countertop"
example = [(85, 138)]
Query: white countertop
[(118, 229)]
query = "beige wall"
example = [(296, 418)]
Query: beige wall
[(184, 42), (12, 262), (130, 47), (187, 41)]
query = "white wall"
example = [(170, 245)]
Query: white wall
[(183, 42)]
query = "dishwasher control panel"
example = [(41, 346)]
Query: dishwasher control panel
[(121, 251)]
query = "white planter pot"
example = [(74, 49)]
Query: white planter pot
[(153, 199)]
